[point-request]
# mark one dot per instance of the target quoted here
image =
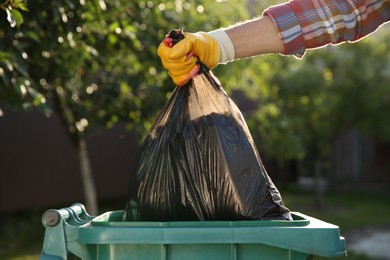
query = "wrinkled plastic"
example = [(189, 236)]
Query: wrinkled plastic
[(199, 162)]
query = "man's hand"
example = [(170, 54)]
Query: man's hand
[(181, 59)]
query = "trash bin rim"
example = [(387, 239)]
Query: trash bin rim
[(115, 218)]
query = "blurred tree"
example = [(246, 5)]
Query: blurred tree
[(16, 80), (95, 61), (360, 77), (289, 118), (302, 105)]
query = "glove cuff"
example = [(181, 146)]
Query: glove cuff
[(226, 47)]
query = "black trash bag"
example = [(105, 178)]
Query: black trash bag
[(199, 162)]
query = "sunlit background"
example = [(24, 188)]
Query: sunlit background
[(81, 84)]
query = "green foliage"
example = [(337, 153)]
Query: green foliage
[(96, 60), (12, 7), (361, 86), (302, 105)]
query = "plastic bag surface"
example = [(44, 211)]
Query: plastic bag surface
[(199, 162)]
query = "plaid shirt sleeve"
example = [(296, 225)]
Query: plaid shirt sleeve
[(306, 24)]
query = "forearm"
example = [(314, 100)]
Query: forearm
[(292, 27), (254, 37)]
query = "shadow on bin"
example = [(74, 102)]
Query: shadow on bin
[(71, 231)]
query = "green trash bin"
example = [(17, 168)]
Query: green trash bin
[(72, 231)]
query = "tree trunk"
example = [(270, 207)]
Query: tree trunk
[(67, 119), (87, 178)]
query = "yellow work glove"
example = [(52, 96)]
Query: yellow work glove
[(181, 59)]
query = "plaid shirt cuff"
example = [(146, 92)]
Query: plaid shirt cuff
[(290, 30), (306, 24)]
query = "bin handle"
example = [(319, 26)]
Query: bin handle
[(52, 217)]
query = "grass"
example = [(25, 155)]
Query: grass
[(348, 210), (21, 233)]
